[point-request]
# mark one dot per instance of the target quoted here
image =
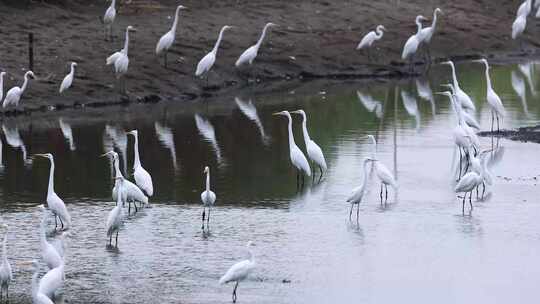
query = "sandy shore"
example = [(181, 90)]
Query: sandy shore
[(316, 39)]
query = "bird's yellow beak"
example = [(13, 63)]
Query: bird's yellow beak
[(277, 113), (42, 155)]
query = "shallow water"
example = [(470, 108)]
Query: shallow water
[(418, 246)]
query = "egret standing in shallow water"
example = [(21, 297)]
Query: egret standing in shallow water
[(382, 172), (208, 198), (368, 40), (68, 80), (355, 198), (55, 203), (120, 59), (14, 94), (249, 55), (5, 268), (314, 152), (467, 184), (50, 255), (239, 271), (116, 216), (207, 62), (494, 101), (427, 33), (142, 177), (108, 19), (38, 297), (298, 159), (166, 41)]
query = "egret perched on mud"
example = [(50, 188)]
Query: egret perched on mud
[(368, 40), (355, 198), (298, 159), (120, 59), (462, 97), (38, 297), (5, 268), (207, 62), (426, 33), (68, 80), (108, 18), (382, 171), (208, 198), (2, 74), (239, 271), (494, 101), (14, 94), (116, 216), (411, 46), (249, 55), (525, 8), (50, 255), (314, 152), (167, 40), (55, 203), (518, 27), (142, 177)]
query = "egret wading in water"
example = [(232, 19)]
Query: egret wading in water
[(167, 40), (208, 198), (382, 172), (142, 177), (427, 33), (248, 56), (239, 271), (38, 297), (314, 152), (467, 183), (298, 159), (55, 203), (68, 80), (6, 274), (14, 94), (355, 198), (411, 46), (50, 255), (494, 101), (120, 59), (116, 216), (468, 118), (2, 74), (368, 40), (464, 100), (108, 19), (52, 281), (206, 63)]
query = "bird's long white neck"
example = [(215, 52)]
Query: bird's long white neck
[(113, 4), (25, 83), (418, 25), (307, 139), (291, 136), (434, 22), (454, 77), (1, 81), (378, 33), (175, 22), (119, 194), (72, 70), (117, 167), (216, 46), (51, 179), (208, 180), (365, 171), (263, 34), (488, 79), (374, 143), (126, 42), (137, 162)]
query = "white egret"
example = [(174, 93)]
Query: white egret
[(468, 118), (14, 94), (166, 137), (463, 98), (2, 74), (368, 40), (206, 129), (38, 297), (298, 159), (52, 281), (382, 171), (248, 108), (371, 104), (411, 46), (494, 101), (355, 198), (525, 8), (208, 197), (55, 203), (67, 132), (314, 152), (167, 40), (116, 216), (120, 59), (426, 33), (466, 184), (68, 80), (132, 192), (239, 271), (50, 254), (537, 7), (6, 274), (248, 56), (142, 177), (518, 27), (108, 18), (207, 61)]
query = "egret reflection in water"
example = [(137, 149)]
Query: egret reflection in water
[(13, 139), (248, 109), (425, 92), (166, 138), (119, 140), (526, 70), (411, 106), (371, 104), (68, 133), (206, 129), (518, 84)]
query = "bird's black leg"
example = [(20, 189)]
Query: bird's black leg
[(350, 213), (320, 177), (477, 192), (61, 222), (357, 212), (110, 240), (380, 193), (386, 198), (463, 205), (498, 130), (129, 208), (234, 292), (135, 206), (470, 200), (208, 218), (116, 237), (483, 189), (55, 222), (460, 157), (203, 216)]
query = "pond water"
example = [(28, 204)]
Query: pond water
[(419, 246)]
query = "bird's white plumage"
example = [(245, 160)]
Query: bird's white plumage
[(110, 14), (54, 202), (411, 45), (14, 94), (493, 99), (370, 103), (167, 40), (2, 74), (208, 197), (358, 193), (468, 182), (52, 281), (525, 8), (518, 26), (464, 100), (314, 152), (120, 59), (248, 56), (239, 271), (50, 254), (426, 33), (68, 80), (37, 296), (209, 59), (6, 274), (132, 192), (298, 159), (116, 216), (142, 177)]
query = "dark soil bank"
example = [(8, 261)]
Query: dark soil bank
[(525, 134), (315, 38)]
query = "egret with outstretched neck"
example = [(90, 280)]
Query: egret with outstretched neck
[(239, 271), (142, 177), (120, 59), (355, 198), (248, 56), (167, 40), (206, 63), (382, 171), (14, 94), (50, 255), (298, 159), (55, 203), (6, 275), (411, 46), (468, 118), (368, 40), (208, 198), (38, 297), (494, 101), (116, 216), (68, 80), (463, 98), (108, 18), (427, 33), (314, 152)]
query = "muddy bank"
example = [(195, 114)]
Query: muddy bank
[(524, 134), (316, 39)]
